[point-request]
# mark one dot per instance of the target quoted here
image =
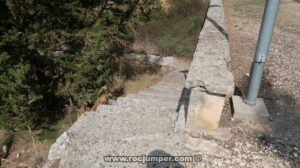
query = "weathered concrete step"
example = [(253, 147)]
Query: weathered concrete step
[(165, 88), (98, 134), (149, 100), (176, 78), (137, 100), (159, 95), (111, 125), (154, 100), (91, 153), (165, 95), (132, 105)]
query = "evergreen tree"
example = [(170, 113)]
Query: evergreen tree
[(54, 51)]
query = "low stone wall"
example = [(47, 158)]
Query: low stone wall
[(210, 66), (209, 78)]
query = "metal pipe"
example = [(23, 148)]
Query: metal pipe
[(262, 49)]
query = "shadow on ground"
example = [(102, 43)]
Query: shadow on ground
[(184, 100), (156, 164), (284, 110)]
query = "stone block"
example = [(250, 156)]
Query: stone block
[(204, 111)]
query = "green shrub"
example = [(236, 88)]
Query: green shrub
[(141, 51), (55, 54)]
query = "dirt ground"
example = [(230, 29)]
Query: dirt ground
[(281, 85), (281, 82)]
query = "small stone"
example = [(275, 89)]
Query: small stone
[(58, 53), (242, 164), (227, 161), (295, 155), (4, 149), (18, 155), (22, 165), (248, 145), (237, 149), (255, 157), (237, 160), (219, 164)]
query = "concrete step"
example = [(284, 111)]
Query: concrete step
[(132, 105), (110, 127), (168, 96), (163, 89), (150, 100), (91, 153)]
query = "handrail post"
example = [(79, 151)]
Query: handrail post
[(262, 49)]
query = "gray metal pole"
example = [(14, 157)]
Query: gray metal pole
[(262, 49)]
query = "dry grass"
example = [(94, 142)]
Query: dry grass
[(25, 152), (175, 32), (165, 5), (142, 81)]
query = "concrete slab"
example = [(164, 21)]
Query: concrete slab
[(257, 113), (204, 111)]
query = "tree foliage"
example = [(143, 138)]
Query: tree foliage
[(54, 53)]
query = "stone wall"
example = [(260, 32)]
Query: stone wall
[(209, 78), (210, 68)]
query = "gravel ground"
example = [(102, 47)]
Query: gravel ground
[(280, 140)]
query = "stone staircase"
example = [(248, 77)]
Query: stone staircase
[(153, 122), (179, 116), (135, 125)]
